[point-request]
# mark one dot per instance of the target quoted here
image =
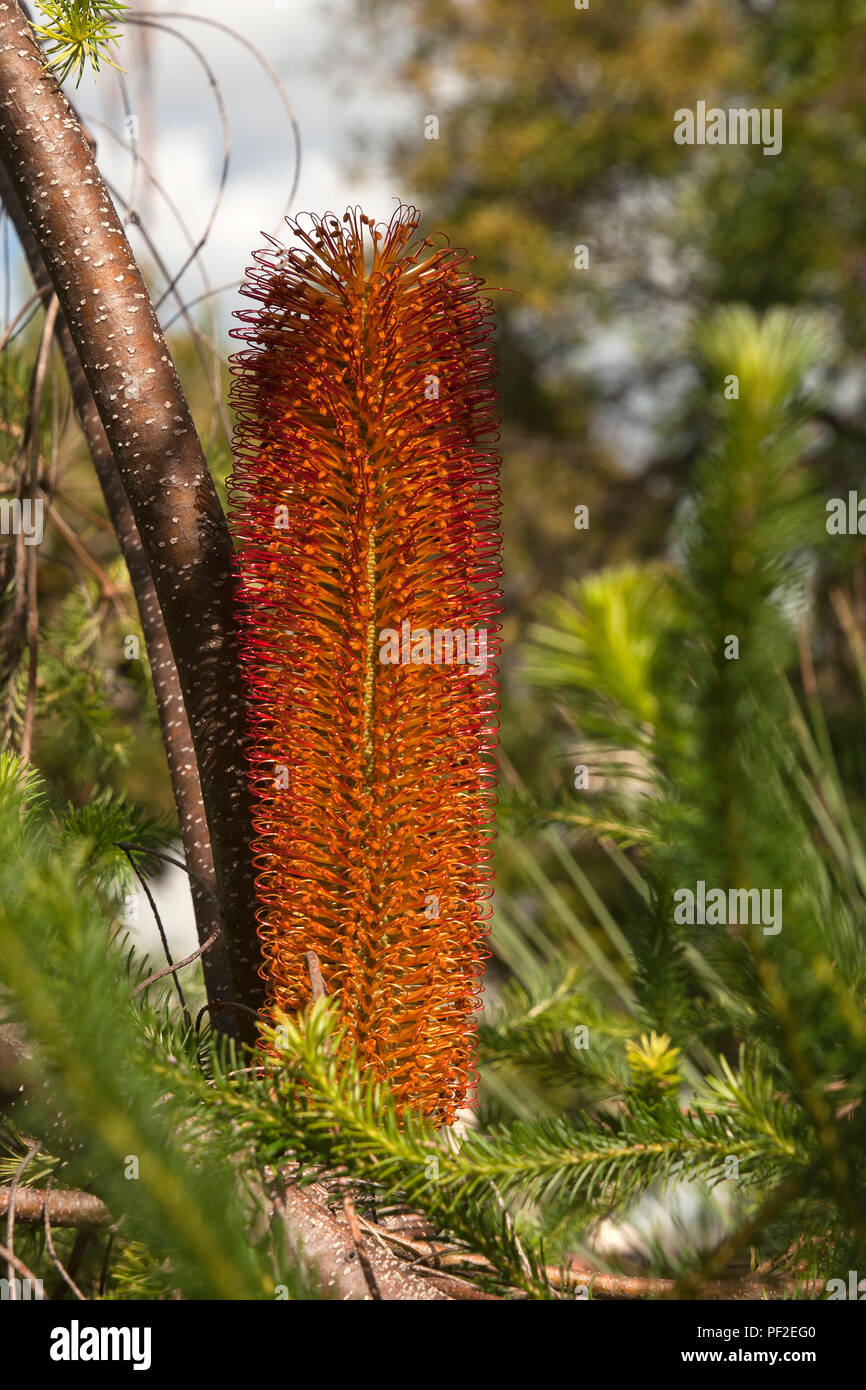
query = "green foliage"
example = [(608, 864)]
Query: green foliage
[(71, 983), (611, 636), (79, 691), (80, 33), (324, 1108), (738, 791)]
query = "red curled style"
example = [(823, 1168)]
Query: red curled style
[(365, 503)]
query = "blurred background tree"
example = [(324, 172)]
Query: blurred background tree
[(555, 130)]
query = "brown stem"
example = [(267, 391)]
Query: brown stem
[(31, 489), (52, 1253), (10, 1206), (174, 725), (135, 391), (65, 1208), (17, 1264), (729, 1290), (329, 1249)]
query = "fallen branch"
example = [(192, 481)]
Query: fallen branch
[(634, 1286), (324, 1240), (64, 1208), (438, 1258)]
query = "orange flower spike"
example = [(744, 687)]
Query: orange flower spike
[(365, 502)]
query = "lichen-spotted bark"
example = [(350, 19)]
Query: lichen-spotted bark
[(366, 498), (154, 443)]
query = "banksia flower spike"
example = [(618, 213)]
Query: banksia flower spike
[(365, 502)]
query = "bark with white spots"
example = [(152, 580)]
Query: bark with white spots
[(174, 725), (155, 447)]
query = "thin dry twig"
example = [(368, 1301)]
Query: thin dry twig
[(239, 37), (200, 298), (200, 339), (13, 1262), (109, 591), (147, 21), (389, 1238), (169, 859), (67, 499), (52, 1253), (357, 1238), (639, 1286), (9, 1248), (25, 308), (202, 342), (103, 1273), (509, 1226), (172, 969)]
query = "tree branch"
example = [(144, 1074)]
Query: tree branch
[(65, 1208), (325, 1242), (159, 459), (174, 725)]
